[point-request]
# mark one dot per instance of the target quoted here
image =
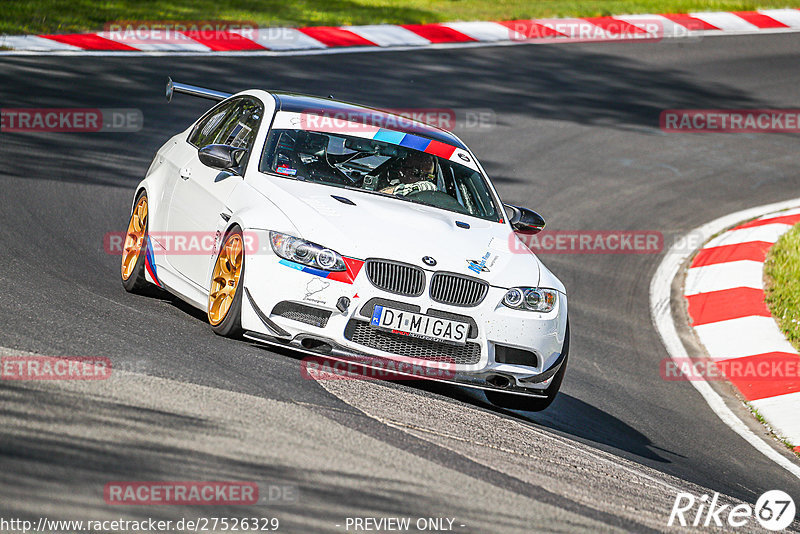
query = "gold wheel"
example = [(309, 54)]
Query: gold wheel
[(134, 240), (225, 279)]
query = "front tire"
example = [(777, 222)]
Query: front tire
[(134, 251), (533, 404), (225, 293)]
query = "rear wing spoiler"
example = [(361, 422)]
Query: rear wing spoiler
[(175, 87)]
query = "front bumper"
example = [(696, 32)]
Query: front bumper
[(484, 380), (345, 335)]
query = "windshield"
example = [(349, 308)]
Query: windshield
[(351, 161)]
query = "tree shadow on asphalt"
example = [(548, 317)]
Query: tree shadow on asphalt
[(568, 416), (575, 84), (67, 446)]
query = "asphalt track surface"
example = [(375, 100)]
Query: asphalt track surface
[(576, 138)]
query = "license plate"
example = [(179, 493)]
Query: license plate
[(420, 326)]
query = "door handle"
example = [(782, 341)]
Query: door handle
[(186, 173)]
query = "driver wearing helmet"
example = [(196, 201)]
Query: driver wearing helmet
[(414, 173)]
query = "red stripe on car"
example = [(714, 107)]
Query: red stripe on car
[(437, 148)]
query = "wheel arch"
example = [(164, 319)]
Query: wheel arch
[(139, 189)]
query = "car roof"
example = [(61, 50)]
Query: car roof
[(297, 103)]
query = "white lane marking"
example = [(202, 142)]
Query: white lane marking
[(726, 21), (744, 336), (388, 35), (781, 413), (661, 313), (768, 233), (790, 17), (720, 276), (280, 39), (783, 213), (295, 51)]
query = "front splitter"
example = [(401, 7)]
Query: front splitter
[(331, 350)]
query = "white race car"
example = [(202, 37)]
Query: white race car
[(352, 234)]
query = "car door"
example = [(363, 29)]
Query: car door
[(198, 204)]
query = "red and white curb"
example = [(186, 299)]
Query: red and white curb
[(725, 297), (662, 316), (385, 36)]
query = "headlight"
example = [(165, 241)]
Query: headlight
[(530, 299), (301, 251)]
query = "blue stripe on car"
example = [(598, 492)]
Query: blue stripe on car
[(416, 142), (305, 268)]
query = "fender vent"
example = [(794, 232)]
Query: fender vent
[(344, 200)]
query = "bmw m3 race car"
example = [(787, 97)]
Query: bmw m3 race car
[(354, 234)]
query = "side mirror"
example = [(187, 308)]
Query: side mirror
[(222, 157), (524, 220)]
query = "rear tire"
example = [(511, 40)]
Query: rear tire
[(227, 286), (533, 404), (134, 251)]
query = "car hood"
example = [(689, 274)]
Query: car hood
[(367, 225)]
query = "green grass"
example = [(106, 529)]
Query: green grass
[(64, 16), (782, 272)]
